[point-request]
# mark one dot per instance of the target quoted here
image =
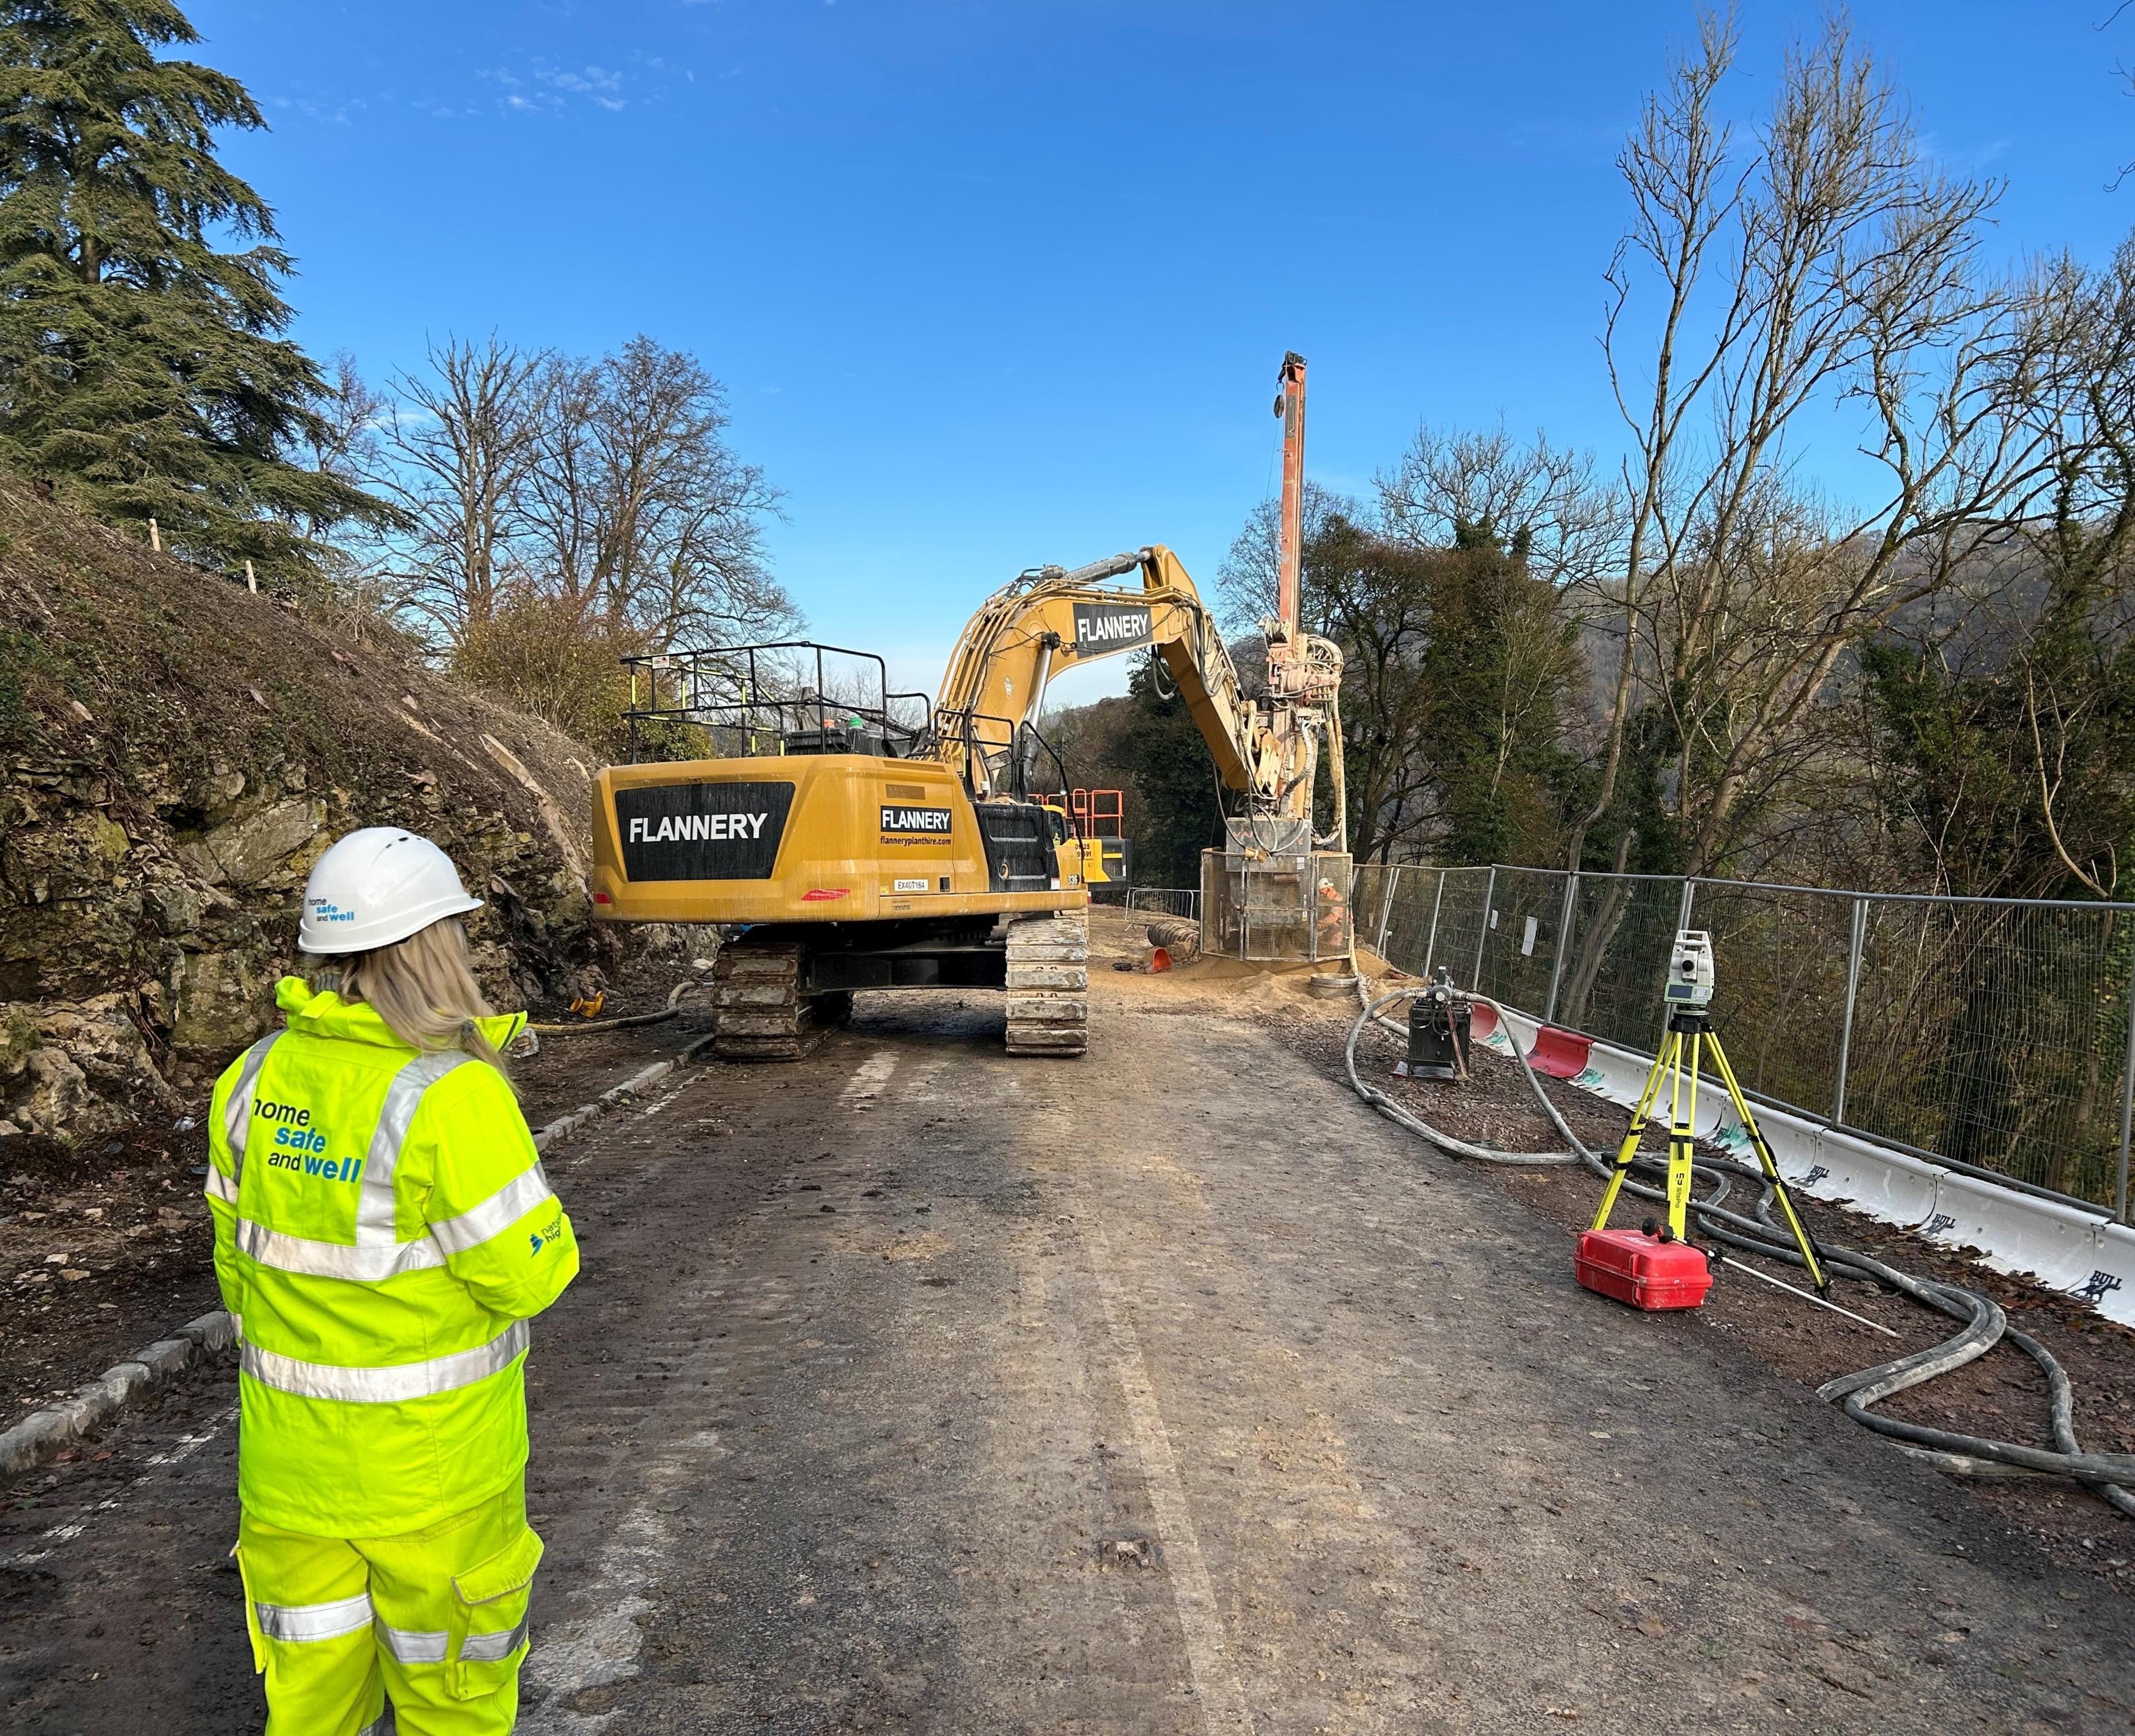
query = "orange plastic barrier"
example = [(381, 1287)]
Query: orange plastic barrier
[(1560, 1054)]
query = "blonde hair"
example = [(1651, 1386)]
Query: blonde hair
[(422, 987)]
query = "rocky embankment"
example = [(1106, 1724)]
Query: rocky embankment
[(175, 752)]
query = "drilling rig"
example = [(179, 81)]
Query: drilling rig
[(1278, 889)]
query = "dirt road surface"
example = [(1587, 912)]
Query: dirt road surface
[(913, 1388)]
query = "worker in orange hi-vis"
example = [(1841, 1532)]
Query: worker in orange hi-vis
[(383, 1232)]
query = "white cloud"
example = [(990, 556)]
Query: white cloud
[(546, 88), (597, 84)]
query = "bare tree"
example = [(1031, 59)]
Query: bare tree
[(343, 441), (1543, 505), (457, 452), (1247, 582), (1848, 283), (1675, 166), (636, 509), (356, 557)]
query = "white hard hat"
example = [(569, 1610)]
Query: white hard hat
[(378, 886)]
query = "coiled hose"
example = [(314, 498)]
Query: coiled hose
[(1984, 1325)]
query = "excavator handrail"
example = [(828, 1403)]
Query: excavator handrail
[(753, 704), (1019, 731)]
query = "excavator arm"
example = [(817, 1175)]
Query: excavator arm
[(1052, 619)]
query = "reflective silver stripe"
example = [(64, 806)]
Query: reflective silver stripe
[(220, 1186), (237, 1111), (412, 1646), (392, 1384), (369, 1265), (492, 1648), (382, 1727), (495, 1215), (404, 1096), (303, 1621)]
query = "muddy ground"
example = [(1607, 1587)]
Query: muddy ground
[(914, 1388), (2002, 1396)]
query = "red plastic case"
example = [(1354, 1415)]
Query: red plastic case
[(1642, 1269)]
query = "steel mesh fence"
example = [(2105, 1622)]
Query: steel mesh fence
[(1623, 929), (1991, 1033), (1519, 936), (1996, 1035), (1462, 920), (1369, 892), (1780, 1000), (1166, 901)]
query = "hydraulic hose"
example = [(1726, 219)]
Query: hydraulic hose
[(660, 1017), (674, 1006), (1444, 1141), (1983, 1323)]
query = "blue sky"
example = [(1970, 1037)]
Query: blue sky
[(993, 282)]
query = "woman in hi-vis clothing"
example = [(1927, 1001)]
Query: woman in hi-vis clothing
[(383, 1234)]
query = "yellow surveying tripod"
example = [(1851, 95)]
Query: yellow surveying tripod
[(1690, 1034)]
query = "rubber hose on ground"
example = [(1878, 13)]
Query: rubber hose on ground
[(670, 1010), (1984, 1324)]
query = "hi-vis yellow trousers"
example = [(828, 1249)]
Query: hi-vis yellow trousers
[(436, 1618)]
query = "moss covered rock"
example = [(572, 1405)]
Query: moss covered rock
[(174, 753)]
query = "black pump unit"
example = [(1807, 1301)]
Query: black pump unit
[(1438, 1025)]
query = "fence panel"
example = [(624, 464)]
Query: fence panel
[(1616, 957), (1519, 936), (1166, 901), (1779, 990), (1992, 1033), (1371, 885), (1411, 895), (1442, 923), (1995, 1034)]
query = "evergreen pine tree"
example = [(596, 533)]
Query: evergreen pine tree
[(142, 371)]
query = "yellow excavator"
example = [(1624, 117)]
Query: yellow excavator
[(866, 839)]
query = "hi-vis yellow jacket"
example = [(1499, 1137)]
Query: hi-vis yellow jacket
[(383, 1233)]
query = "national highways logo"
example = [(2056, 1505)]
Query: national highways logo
[(1101, 628)]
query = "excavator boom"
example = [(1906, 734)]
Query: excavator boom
[(1054, 618)]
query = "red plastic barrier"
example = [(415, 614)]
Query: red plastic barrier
[(1560, 1054), (1485, 1022)]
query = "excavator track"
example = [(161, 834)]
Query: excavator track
[(1049, 984), (757, 1004)]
